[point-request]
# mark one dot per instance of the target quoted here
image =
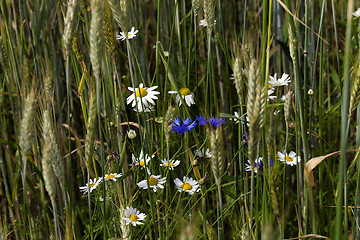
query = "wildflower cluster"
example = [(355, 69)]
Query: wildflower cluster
[(93, 183)]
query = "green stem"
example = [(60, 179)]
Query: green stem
[(344, 126)]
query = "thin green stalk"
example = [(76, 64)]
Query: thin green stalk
[(345, 98), (357, 194)]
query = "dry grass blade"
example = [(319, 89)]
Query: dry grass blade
[(312, 163), (302, 23), (309, 236)]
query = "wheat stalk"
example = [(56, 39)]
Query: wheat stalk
[(69, 25)]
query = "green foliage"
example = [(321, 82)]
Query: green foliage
[(68, 169)]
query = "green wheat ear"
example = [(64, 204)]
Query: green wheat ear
[(108, 31), (91, 127), (3, 55), (69, 25), (96, 39), (217, 165), (48, 156), (120, 13), (209, 12), (27, 128), (195, 6)]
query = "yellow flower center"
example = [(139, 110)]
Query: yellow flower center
[(110, 176), (91, 185), (184, 91), (186, 186), (169, 164), (269, 85), (141, 92), (153, 181), (129, 34), (142, 163), (255, 168), (133, 217), (288, 159)]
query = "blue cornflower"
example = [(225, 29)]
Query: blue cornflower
[(270, 162), (215, 122), (201, 119), (182, 128), (246, 138)]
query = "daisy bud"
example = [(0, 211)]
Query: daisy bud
[(195, 163), (131, 134), (202, 180), (310, 92)]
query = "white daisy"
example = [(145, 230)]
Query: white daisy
[(203, 153), (133, 216), (275, 82), (243, 72), (142, 160), (188, 185), (236, 119), (130, 34), (271, 91), (171, 164), (357, 13), (112, 176), (142, 97), (290, 159), (154, 182), (284, 80), (92, 184), (147, 109), (256, 167), (204, 23), (186, 95)]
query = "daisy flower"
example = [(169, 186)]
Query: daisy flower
[(91, 185), (243, 72), (133, 216), (356, 13), (275, 82), (204, 23), (290, 158), (112, 176), (258, 165), (130, 34), (147, 109), (154, 182), (142, 97), (236, 119), (186, 94), (254, 168), (182, 128), (188, 185), (247, 120), (171, 164), (203, 153), (142, 160), (271, 91)]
